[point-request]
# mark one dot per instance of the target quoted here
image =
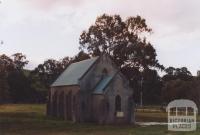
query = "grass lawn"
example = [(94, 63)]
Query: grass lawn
[(153, 115), (30, 119)]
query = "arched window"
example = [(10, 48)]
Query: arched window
[(49, 103), (83, 106), (74, 103), (117, 103), (54, 106), (104, 72), (107, 106), (61, 105)]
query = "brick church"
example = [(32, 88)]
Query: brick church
[(92, 90)]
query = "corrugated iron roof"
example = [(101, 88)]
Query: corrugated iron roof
[(74, 72)]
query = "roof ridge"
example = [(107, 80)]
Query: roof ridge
[(85, 60), (74, 72)]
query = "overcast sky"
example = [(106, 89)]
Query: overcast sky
[(44, 29)]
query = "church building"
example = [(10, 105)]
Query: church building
[(92, 90)]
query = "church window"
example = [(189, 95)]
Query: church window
[(117, 103), (104, 72)]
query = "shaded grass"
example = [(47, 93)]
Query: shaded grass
[(26, 119), (151, 117), (153, 114)]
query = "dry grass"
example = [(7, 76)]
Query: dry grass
[(30, 119)]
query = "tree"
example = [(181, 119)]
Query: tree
[(6, 65), (170, 70), (46, 73), (19, 85), (14, 85), (179, 83), (177, 73), (19, 61), (181, 89), (49, 71), (4, 88), (152, 87), (125, 42), (80, 56)]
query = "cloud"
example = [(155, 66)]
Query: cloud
[(50, 4), (50, 28)]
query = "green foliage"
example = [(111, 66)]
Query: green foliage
[(20, 88), (4, 89), (19, 61), (19, 85), (51, 69), (180, 84), (126, 43), (182, 89), (123, 40), (152, 86), (177, 73), (15, 82), (5, 67), (46, 73)]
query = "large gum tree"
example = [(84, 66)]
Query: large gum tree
[(125, 41)]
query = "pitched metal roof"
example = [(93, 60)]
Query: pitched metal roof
[(74, 72), (99, 89)]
